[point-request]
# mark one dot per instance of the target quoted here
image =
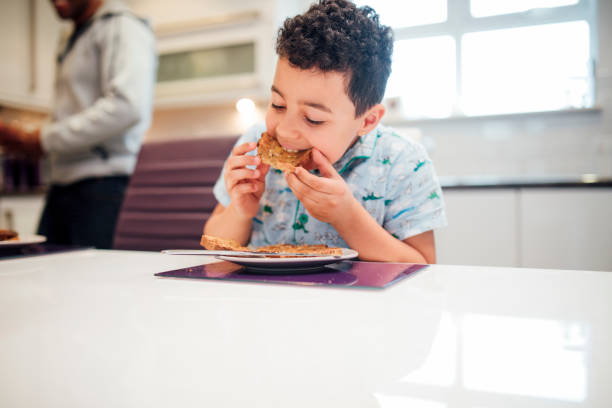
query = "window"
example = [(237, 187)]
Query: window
[(484, 57), (484, 8), (535, 68), (407, 13), (427, 87)]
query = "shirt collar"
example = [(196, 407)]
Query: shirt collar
[(359, 152)]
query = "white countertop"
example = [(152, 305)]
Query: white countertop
[(97, 329)]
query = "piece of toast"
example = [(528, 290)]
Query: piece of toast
[(8, 235), (301, 249), (216, 243), (272, 153)]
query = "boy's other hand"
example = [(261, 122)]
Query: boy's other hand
[(245, 186), (328, 197)]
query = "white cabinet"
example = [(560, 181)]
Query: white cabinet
[(215, 52), (29, 34), (14, 47), (560, 228), (482, 228), (21, 213), (215, 63), (567, 229)]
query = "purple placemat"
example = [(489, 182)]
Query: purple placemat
[(352, 274)]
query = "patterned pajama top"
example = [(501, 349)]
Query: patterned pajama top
[(391, 176)]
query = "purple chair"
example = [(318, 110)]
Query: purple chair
[(170, 196)]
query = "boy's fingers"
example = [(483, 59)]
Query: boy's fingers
[(319, 184), (244, 148), (259, 187), (263, 170), (325, 167), (244, 188), (235, 162), (298, 187), (236, 176), (302, 191)]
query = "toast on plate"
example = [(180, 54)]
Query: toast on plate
[(216, 243), (8, 235), (302, 249)]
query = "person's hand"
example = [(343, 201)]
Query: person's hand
[(9, 135), (14, 139), (245, 186), (327, 198)]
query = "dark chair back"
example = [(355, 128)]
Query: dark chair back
[(170, 196)]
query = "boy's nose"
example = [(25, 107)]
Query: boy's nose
[(286, 130)]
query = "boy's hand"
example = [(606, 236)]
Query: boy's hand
[(245, 186), (327, 198)]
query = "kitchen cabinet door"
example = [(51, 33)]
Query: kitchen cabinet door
[(215, 52), (567, 228), (482, 228), (30, 32), (14, 49)]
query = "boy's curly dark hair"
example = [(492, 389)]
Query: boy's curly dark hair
[(336, 35)]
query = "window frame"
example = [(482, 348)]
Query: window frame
[(460, 21)]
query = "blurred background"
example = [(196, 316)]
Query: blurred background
[(511, 98)]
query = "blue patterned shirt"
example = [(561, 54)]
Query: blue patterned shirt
[(391, 176)]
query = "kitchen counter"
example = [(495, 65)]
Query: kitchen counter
[(479, 182), (97, 328)]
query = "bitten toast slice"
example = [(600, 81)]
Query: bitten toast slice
[(272, 153), (216, 243)]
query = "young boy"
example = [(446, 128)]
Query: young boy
[(365, 186)]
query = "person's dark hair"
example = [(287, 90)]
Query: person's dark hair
[(336, 35)]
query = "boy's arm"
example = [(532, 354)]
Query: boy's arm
[(328, 199), (362, 233), (226, 222), (241, 188)]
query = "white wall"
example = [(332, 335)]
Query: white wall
[(545, 144), (532, 144)]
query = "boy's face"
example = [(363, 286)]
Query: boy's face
[(310, 108)]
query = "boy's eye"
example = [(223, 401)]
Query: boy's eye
[(313, 122), (277, 107)]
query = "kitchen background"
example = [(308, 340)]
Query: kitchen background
[(524, 187)]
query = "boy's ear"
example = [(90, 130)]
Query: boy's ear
[(371, 118)]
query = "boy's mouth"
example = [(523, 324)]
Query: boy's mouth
[(290, 149), (279, 156)]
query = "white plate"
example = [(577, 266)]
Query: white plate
[(23, 241), (297, 263)]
